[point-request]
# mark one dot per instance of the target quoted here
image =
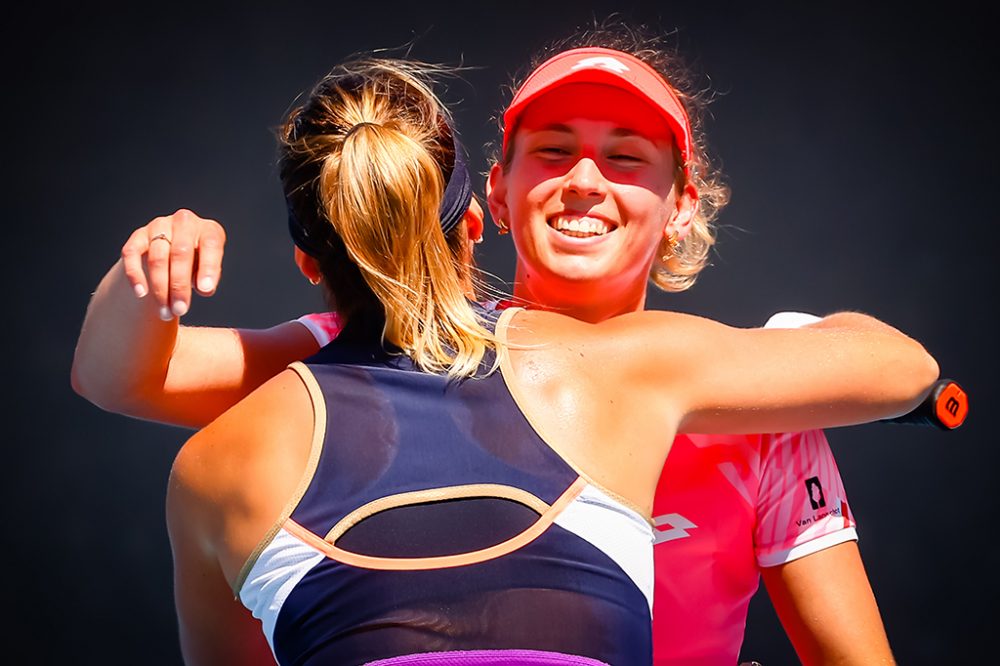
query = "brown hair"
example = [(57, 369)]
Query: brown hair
[(363, 163), (683, 264)]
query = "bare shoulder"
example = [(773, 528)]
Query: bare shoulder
[(220, 504), (249, 459), (650, 353), (663, 326), (248, 430), (632, 328), (636, 342)]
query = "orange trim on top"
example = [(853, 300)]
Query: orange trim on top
[(442, 561), (493, 490), (316, 448), (509, 376)]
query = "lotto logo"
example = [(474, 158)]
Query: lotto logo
[(671, 526), (602, 62)]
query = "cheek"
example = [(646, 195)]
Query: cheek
[(641, 206), (527, 198)]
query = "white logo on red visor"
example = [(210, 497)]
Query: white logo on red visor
[(602, 62), (671, 526)]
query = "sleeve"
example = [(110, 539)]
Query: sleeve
[(802, 506), (324, 326)]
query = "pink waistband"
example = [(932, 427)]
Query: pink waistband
[(489, 658)]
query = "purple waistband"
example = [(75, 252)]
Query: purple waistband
[(489, 658)]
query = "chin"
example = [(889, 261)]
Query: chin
[(575, 269)]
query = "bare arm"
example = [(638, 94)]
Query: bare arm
[(228, 485), (134, 358), (826, 605), (846, 369), (215, 628)]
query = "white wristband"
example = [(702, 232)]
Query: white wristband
[(790, 320)]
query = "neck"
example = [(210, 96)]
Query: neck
[(589, 303)]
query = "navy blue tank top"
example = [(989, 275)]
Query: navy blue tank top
[(431, 523)]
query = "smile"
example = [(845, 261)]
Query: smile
[(580, 227)]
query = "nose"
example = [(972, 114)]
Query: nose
[(585, 180)]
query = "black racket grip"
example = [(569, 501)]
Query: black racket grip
[(945, 407)]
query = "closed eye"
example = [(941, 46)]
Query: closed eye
[(621, 157), (551, 152)]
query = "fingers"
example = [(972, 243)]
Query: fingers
[(160, 259), (184, 241), (158, 263), (133, 253), (211, 241)]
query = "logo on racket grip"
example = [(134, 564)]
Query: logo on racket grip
[(951, 405)]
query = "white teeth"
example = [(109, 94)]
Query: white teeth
[(580, 227)]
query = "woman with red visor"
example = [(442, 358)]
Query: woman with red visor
[(569, 183), (595, 207)]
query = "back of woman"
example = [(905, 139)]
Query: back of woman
[(433, 517)]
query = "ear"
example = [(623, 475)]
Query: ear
[(474, 220), (308, 266), (682, 214), (496, 196)]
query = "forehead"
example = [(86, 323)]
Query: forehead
[(618, 110)]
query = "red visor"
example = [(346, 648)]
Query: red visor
[(608, 67)]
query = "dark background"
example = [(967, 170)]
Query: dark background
[(860, 144)]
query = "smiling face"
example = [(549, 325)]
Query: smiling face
[(589, 194)]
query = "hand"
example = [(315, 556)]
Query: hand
[(166, 255)]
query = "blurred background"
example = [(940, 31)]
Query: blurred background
[(859, 142)]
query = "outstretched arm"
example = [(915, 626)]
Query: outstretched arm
[(135, 359), (845, 369)]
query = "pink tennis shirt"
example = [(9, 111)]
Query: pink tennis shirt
[(725, 506)]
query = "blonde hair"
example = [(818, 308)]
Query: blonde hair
[(685, 261), (364, 161)]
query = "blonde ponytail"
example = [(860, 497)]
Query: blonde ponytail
[(378, 185)]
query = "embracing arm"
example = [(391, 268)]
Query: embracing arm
[(214, 628), (228, 485), (845, 369), (826, 605), (805, 541), (134, 358)]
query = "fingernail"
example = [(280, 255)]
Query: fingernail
[(180, 308), (140, 291), (166, 314), (206, 284)]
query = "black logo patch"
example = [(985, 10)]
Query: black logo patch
[(815, 491)]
